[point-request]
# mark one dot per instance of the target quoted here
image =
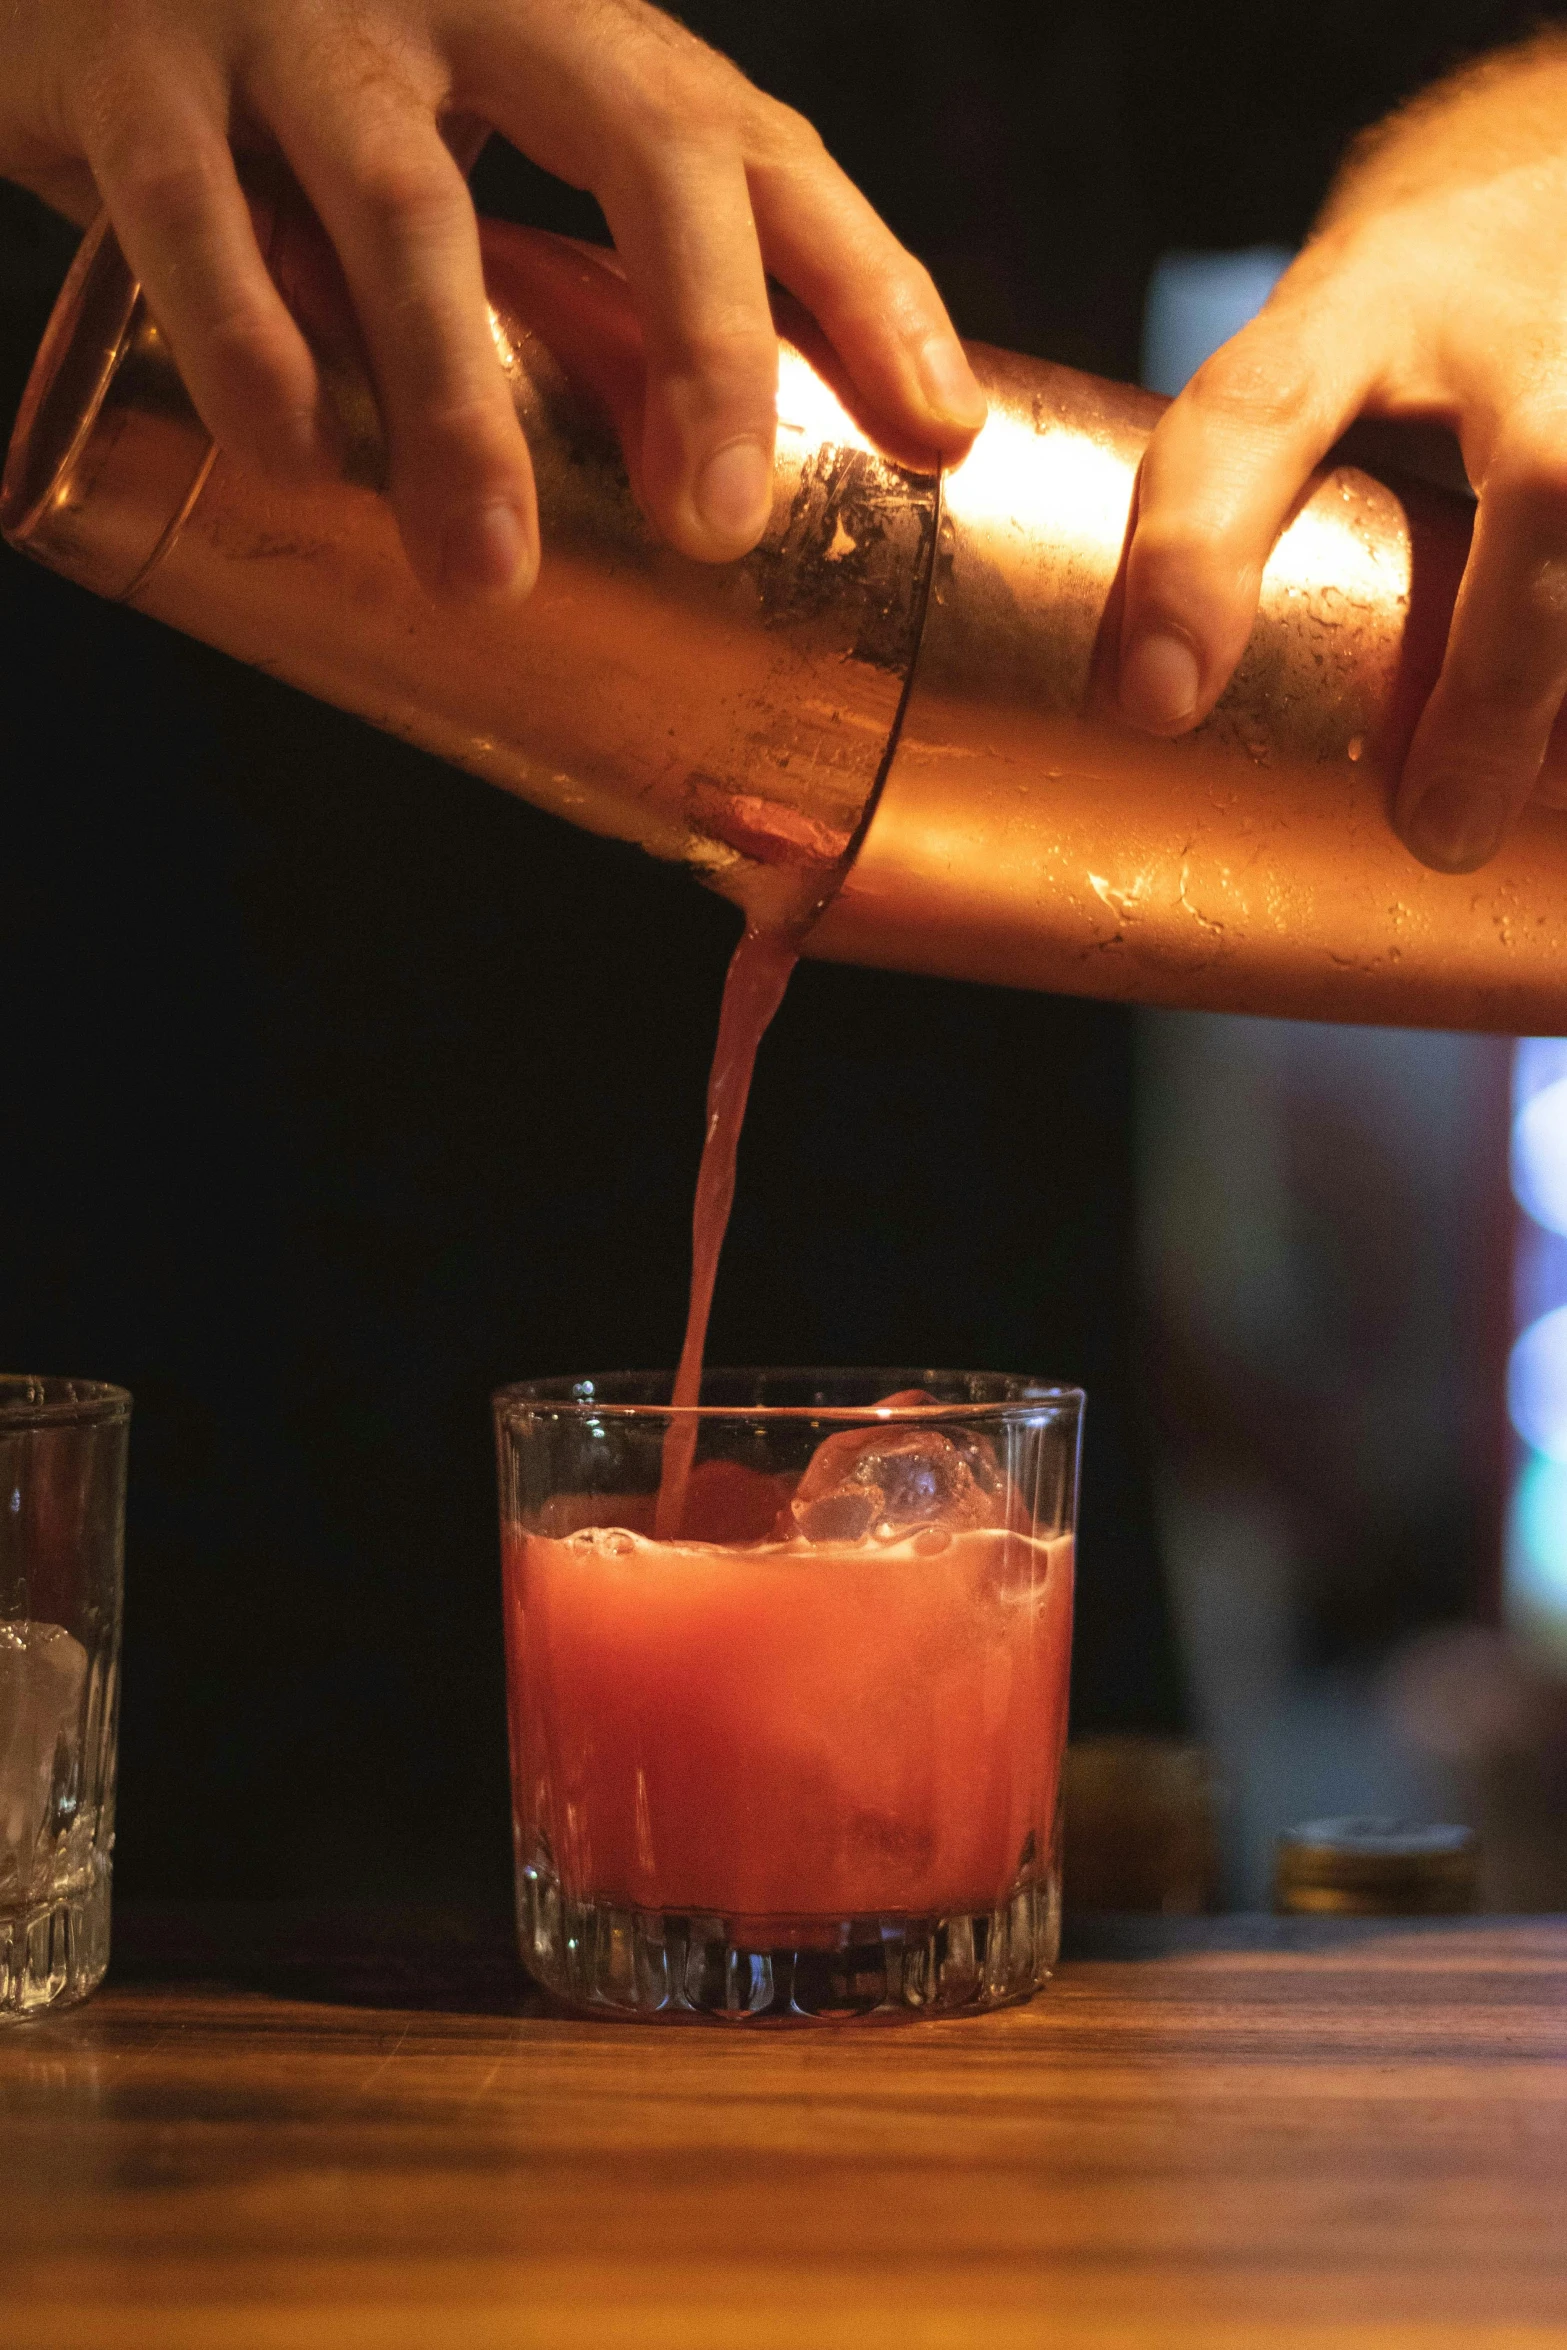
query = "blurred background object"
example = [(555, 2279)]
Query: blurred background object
[(1375, 1868), (1139, 1826), (1481, 1705), (1325, 1253)]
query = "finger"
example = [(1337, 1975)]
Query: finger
[(1483, 735), (369, 156), (874, 301), (649, 123), (680, 214), (162, 160), (1217, 482)]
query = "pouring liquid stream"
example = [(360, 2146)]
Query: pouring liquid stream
[(753, 990)]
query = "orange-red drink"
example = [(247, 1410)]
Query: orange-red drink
[(789, 1731), (801, 1755)]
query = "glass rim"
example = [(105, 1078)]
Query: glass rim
[(577, 1397), (31, 1399)]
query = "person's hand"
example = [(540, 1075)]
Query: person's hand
[(707, 186), (1435, 287)]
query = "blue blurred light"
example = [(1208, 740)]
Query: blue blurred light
[(1537, 1385), (1539, 1156), (1537, 1536), (1538, 1061), (1536, 1546), (1196, 301), (1539, 1272)]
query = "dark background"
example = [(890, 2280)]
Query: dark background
[(339, 1088)]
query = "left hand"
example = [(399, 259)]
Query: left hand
[(707, 185)]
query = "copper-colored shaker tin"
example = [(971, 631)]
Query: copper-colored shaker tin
[(734, 716), (899, 708)]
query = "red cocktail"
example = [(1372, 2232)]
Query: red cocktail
[(805, 1754)]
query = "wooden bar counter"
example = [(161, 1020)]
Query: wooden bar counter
[(282, 2130)]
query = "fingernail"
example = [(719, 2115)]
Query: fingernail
[(734, 491), (947, 381), (1455, 828), (1160, 682), (483, 552)]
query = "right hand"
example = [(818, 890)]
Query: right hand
[(707, 185), (1432, 293)]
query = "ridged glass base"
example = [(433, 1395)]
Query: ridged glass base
[(53, 1952), (663, 1966)]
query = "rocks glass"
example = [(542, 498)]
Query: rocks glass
[(803, 1757), (62, 1520)]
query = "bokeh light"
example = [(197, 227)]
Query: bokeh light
[(1536, 1537), (1539, 1156), (1537, 1385)]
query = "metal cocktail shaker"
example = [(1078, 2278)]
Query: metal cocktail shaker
[(895, 716)]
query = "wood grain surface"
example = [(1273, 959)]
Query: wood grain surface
[(292, 2131)]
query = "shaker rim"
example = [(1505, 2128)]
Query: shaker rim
[(70, 379)]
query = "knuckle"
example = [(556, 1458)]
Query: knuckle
[(1499, 696), (104, 95), (245, 346), (1523, 522), (165, 192), (775, 134), (472, 427), (405, 190), (737, 357), (885, 293), (1172, 553), (1254, 387), (905, 294), (666, 103), (1348, 258)]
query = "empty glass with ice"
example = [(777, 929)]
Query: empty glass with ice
[(62, 1519), (801, 1757)]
